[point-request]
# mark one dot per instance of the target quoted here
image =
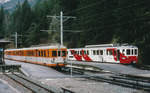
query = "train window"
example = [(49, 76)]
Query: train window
[(81, 52), (47, 53), (101, 52), (84, 52), (135, 51), (78, 52), (71, 52), (54, 53), (75, 52), (87, 52), (123, 52), (128, 51), (132, 52), (44, 53), (109, 52), (97, 52), (63, 53), (39, 53), (94, 52), (59, 53)]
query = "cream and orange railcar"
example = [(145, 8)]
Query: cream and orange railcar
[(46, 55)]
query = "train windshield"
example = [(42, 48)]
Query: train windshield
[(63, 53), (136, 52), (132, 52)]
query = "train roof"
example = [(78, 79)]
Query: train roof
[(40, 47), (108, 46)]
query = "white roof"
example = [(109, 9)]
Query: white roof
[(125, 45), (101, 45), (42, 47), (107, 46)]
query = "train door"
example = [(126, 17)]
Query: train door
[(101, 56), (109, 53), (118, 55)]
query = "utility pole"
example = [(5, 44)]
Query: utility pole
[(16, 39), (62, 19), (61, 27)]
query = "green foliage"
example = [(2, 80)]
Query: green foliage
[(2, 24)]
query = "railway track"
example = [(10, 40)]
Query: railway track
[(130, 81), (124, 81), (33, 86), (142, 67)]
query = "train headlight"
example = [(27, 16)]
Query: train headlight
[(123, 58), (134, 62)]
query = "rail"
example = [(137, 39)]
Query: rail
[(123, 81), (67, 91), (129, 81), (30, 84), (34, 86)]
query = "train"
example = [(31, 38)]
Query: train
[(110, 53), (57, 55), (52, 56)]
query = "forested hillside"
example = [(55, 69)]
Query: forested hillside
[(97, 22)]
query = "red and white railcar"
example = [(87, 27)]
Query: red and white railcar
[(113, 53)]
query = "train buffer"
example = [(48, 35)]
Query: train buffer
[(10, 68)]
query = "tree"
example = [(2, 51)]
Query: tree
[(2, 19)]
